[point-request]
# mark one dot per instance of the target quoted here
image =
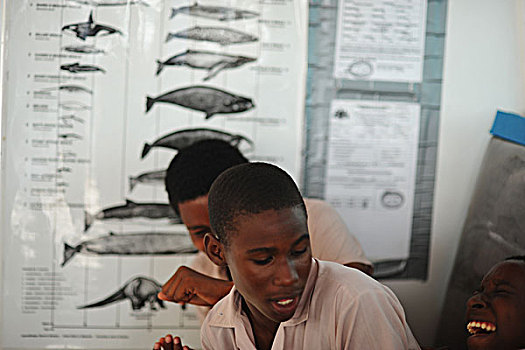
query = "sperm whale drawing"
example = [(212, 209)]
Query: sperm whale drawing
[(144, 243), (83, 30), (139, 291)]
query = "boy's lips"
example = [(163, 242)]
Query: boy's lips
[(285, 306)]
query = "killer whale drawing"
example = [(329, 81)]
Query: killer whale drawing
[(139, 290), (83, 30)]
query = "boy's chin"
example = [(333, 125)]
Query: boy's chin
[(488, 342)]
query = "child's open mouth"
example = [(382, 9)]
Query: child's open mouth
[(480, 327), (285, 305)]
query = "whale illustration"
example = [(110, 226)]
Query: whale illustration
[(183, 138), (204, 98), (83, 30), (144, 243), (213, 62)]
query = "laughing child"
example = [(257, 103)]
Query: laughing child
[(496, 313)]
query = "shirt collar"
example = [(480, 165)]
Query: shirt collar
[(229, 312)]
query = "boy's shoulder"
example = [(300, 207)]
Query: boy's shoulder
[(225, 311), (333, 277)]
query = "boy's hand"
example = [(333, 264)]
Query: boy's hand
[(170, 343), (192, 287)]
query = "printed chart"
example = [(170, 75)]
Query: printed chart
[(101, 94)]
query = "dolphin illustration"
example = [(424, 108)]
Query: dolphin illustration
[(81, 68)]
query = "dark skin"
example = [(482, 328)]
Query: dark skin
[(190, 286), (269, 258), (500, 304), (169, 342)]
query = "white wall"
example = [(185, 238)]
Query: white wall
[(483, 72)]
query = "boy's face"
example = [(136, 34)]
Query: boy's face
[(269, 259), (500, 307), (194, 214)]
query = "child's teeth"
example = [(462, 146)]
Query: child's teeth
[(474, 327), (284, 302)]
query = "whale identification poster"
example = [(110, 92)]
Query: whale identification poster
[(99, 97)]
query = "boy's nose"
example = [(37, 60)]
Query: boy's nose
[(286, 274), (477, 301)]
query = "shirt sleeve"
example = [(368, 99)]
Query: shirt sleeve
[(329, 236), (374, 320)]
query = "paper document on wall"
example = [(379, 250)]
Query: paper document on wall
[(380, 40), (370, 179)]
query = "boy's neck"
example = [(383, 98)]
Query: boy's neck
[(263, 328)]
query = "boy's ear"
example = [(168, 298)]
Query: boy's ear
[(214, 249)]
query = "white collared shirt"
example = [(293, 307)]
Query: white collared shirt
[(340, 308)]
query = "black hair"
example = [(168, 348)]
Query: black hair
[(249, 189), (194, 168)]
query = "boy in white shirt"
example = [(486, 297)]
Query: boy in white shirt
[(282, 298)]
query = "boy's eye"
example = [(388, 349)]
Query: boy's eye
[(299, 252), (263, 261), (501, 292)]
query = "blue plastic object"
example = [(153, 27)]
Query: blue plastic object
[(509, 126)]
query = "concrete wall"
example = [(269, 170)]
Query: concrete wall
[(483, 72)]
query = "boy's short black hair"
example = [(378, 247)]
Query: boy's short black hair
[(249, 189), (194, 168)]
